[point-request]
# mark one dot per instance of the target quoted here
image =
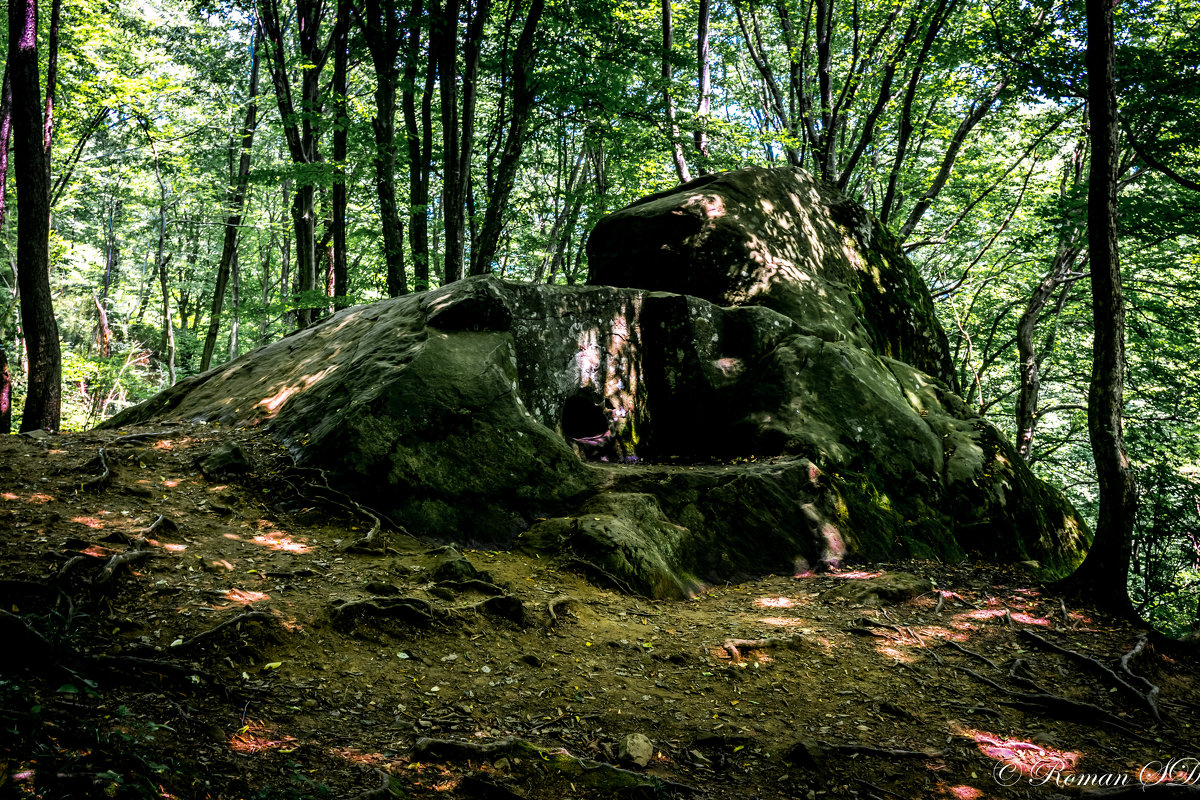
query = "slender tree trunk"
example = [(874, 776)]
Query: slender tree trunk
[(668, 41), (168, 322), (31, 127), (5, 393), (300, 131), (103, 332), (1103, 576), (341, 56), (235, 283), (380, 26), (458, 126), (484, 253), (420, 147), (5, 139), (703, 86), (234, 220)]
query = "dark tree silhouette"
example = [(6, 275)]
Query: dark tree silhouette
[(1103, 576), (33, 130)]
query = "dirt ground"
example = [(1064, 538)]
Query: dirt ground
[(241, 650)]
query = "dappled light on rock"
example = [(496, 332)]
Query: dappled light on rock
[(760, 383)]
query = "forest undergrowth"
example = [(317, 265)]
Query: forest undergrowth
[(172, 633)]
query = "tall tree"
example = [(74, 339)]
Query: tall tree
[(483, 254), (458, 123), (703, 85), (33, 132), (1103, 576), (301, 128), (341, 129), (237, 199), (379, 21), (668, 42)]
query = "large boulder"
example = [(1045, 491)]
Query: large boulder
[(777, 238), (662, 439)]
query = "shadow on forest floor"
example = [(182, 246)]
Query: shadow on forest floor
[(176, 635)]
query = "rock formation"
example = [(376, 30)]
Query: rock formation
[(772, 390)]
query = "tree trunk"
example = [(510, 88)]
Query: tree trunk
[(703, 87), (5, 139), (668, 40), (31, 153), (235, 279), (103, 332), (420, 149), (380, 28), (458, 126), (5, 393), (168, 322), (484, 253), (301, 133), (234, 220), (1103, 576), (341, 56)]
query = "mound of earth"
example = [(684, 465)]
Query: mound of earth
[(667, 441), (173, 632)]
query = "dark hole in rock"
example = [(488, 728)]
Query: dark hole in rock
[(583, 419), (584, 424)]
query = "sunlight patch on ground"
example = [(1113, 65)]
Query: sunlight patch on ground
[(359, 757), (255, 737), (1029, 619), (220, 562), (857, 575), (892, 652), (782, 622), (170, 548), (246, 596), (278, 540), (1023, 757), (774, 602), (36, 497), (98, 551), (171, 483), (90, 522), (961, 792)]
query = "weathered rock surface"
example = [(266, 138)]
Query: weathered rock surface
[(776, 238), (660, 438)]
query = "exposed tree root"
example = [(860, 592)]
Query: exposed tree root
[(248, 616), (595, 569), (956, 646), (1148, 697), (505, 606), (588, 774), (735, 646), (868, 750), (1055, 706), (103, 478), (109, 570), (412, 610), (562, 601), (105, 475), (474, 585), (368, 543)]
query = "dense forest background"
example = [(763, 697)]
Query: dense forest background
[(222, 174)]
